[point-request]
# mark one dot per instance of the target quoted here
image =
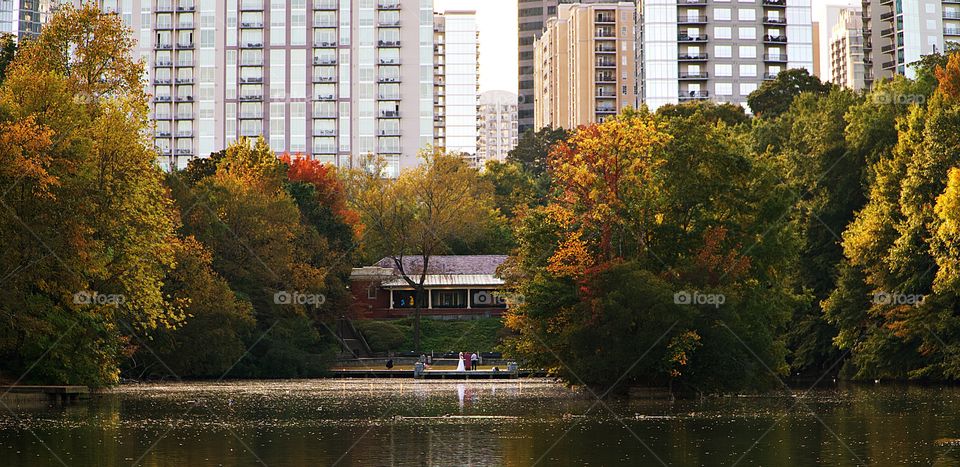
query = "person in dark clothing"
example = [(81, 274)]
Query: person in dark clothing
[(390, 364)]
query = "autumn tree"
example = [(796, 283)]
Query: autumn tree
[(419, 214), (84, 211)]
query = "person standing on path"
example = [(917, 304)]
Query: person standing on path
[(475, 360)]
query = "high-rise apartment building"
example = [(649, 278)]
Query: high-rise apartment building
[(532, 16), (456, 82), (722, 51), (332, 79), (497, 126), (585, 65), (24, 18), (847, 67), (899, 32)]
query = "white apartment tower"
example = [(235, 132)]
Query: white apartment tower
[(456, 82), (900, 32), (24, 18), (719, 50), (847, 67), (330, 79), (497, 126)]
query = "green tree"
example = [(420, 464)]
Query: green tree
[(774, 97), (8, 49), (533, 148), (420, 213)]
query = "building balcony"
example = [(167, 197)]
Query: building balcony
[(324, 132), (887, 16), (606, 110), (604, 48), (185, 63), (162, 134), (184, 152), (184, 133), (388, 97), (388, 149), (162, 116), (324, 79), (184, 99), (163, 98), (184, 116), (775, 58), (247, 5), (951, 14), (692, 57), (163, 46), (693, 95), (184, 80), (888, 48), (251, 115), (781, 39), (251, 97), (162, 81), (774, 20), (325, 44), (887, 32), (605, 64), (388, 5), (691, 2), (775, 3), (185, 25), (389, 132), (770, 76), (689, 38), (605, 18), (186, 7), (325, 5), (389, 114), (389, 23), (164, 7), (184, 45), (692, 19), (251, 79), (163, 63), (951, 31), (325, 97), (324, 149), (388, 79), (163, 26), (604, 34), (604, 78), (251, 25), (382, 43), (251, 62), (251, 45), (694, 75), (324, 24), (324, 61), (889, 65), (389, 61)]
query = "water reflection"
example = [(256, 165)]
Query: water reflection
[(513, 423)]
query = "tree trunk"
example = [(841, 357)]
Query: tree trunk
[(416, 320)]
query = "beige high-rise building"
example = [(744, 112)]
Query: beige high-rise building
[(585, 64), (847, 68), (497, 126)]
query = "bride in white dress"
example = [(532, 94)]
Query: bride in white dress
[(460, 365)]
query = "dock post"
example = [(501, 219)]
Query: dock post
[(418, 370)]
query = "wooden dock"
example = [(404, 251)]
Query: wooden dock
[(49, 393), (434, 374)]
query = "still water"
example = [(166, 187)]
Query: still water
[(509, 423)]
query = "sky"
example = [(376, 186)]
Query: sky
[(497, 21)]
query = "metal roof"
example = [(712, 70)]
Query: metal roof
[(448, 280), (448, 264)]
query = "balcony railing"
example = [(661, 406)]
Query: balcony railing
[(252, 97), (251, 24), (184, 80), (251, 45), (773, 20), (775, 57), (324, 60), (691, 19), (693, 95), (776, 3), (391, 43), (388, 61), (688, 38), (605, 18), (605, 63), (325, 43), (324, 5), (251, 5), (163, 63), (779, 39), (251, 79), (388, 5), (693, 56), (251, 115), (694, 75), (324, 132), (388, 23), (388, 79), (324, 79), (389, 114)]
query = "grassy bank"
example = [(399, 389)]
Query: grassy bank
[(481, 335)]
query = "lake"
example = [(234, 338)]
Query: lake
[(509, 423)]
